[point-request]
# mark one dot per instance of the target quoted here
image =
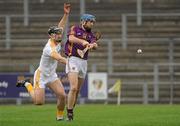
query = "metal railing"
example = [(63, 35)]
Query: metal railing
[(124, 20), (155, 74)]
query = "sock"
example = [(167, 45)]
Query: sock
[(60, 113), (70, 110), (70, 114), (28, 86)]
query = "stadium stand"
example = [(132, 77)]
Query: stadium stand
[(153, 37)]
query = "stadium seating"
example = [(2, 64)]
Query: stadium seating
[(28, 41)]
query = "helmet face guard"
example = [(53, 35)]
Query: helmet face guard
[(56, 31)]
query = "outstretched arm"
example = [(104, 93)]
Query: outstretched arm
[(62, 23), (58, 57)]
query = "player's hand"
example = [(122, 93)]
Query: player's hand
[(63, 60), (92, 46), (85, 43), (67, 8), (95, 45)]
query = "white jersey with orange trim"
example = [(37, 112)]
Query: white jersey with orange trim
[(48, 65)]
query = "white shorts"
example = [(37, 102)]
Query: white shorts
[(41, 80), (78, 65)]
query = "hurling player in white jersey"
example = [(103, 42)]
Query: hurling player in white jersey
[(46, 75)]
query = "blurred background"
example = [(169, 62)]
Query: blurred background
[(151, 76)]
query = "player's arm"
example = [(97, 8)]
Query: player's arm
[(63, 20), (95, 40), (74, 39), (58, 57), (93, 45)]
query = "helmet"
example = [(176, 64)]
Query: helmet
[(88, 17), (55, 30)]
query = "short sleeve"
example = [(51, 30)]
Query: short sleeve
[(48, 50)]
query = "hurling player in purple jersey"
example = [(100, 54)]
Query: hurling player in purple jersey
[(79, 38)]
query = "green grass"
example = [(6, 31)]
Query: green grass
[(92, 115)]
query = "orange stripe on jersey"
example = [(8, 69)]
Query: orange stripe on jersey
[(37, 78), (70, 47)]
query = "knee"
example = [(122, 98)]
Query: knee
[(62, 96), (74, 89)]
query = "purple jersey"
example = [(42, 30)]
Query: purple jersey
[(71, 48)]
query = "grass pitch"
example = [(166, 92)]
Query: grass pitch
[(92, 115)]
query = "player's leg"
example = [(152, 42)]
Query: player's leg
[(81, 76), (80, 83), (27, 84), (39, 88), (73, 80), (58, 89), (37, 94), (72, 70)]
